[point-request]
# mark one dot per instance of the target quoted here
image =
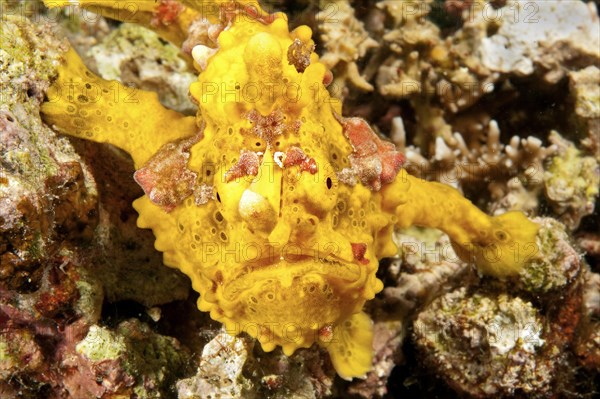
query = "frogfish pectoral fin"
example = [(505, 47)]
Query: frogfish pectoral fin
[(350, 346)]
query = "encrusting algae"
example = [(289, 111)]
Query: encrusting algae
[(275, 206)]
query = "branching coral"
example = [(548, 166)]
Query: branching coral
[(346, 41), (478, 155)]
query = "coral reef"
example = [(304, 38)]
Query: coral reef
[(498, 99), (583, 85), (588, 342), (486, 345), (571, 182), (59, 250), (544, 39), (556, 265), (345, 41), (450, 71), (486, 341), (227, 360), (46, 196), (131, 360), (426, 267), (220, 369)]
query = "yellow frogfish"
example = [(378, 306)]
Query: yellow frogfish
[(276, 206)]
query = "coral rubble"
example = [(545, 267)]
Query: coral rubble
[(136, 56), (486, 345), (571, 182)]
